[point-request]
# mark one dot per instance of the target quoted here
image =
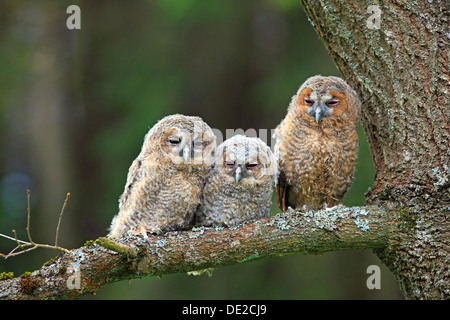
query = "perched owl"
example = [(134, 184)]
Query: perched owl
[(239, 186), (317, 144), (165, 181)]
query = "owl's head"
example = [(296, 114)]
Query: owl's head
[(321, 99), (243, 160), (185, 141)]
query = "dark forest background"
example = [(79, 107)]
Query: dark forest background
[(75, 106)]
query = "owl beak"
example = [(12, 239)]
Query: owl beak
[(186, 154), (318, 114), (238, 174)]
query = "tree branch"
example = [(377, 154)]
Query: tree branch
[(25, 246), (104, 261)]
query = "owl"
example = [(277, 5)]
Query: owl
[(240, 184), (317, 145), (165, 181)]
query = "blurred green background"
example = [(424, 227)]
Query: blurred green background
[(75, 106)]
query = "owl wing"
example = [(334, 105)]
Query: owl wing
[(132, 176), (141, 169)]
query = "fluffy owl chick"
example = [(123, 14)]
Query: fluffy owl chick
[(239, 186), (317, 144), (165, 181)]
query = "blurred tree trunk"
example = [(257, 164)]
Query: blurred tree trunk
[(48, 108), (395, 55)]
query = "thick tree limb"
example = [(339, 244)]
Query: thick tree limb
[(86, 269)]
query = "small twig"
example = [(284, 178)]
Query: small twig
[(19, 244), (28, 216), (15, 239), (12, 253), (19, 241), (31, 244), (60, 217)]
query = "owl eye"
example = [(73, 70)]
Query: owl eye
[(174, 141), (332, 102), (308, 101), (251, 165), (229, 164)]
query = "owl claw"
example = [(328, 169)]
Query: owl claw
[(156, 231), (146, 237)]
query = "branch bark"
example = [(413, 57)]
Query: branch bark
[(106, 261)]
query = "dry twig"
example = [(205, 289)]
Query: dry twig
[(26, 246)]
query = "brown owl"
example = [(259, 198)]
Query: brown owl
[(317, 144), (165, 181), (240, 185)]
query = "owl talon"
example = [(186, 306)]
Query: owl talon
[(146, 237), (156, 231), (141, 231)]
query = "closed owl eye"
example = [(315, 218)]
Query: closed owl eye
[(251, 165), (332, 102), (229, 164), (174, 141), (308, 101)]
